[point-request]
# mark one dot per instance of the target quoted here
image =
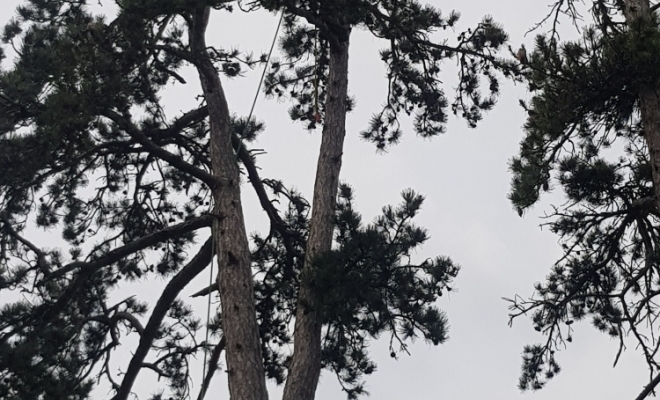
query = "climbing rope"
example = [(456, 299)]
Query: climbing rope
[(317, 114), (261, 81), (214, 229)]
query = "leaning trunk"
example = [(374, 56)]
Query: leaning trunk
[(636, 11), (305, 366), (239, 322)]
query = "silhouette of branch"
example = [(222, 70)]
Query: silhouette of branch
[(153, 148), (136, 245), (649, 388), (213, 366), (182, 279)]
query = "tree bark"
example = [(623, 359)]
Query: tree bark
[(648, 97), (305, 366), (649, 102), (239, 321)]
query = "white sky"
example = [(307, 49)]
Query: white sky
[(465, 178)]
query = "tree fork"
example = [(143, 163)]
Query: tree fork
[(305, 369), (239, 321)]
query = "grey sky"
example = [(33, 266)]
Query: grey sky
[(465, 178)]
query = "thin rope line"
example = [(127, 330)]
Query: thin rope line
[(317, 113), (214, 228), (261, 81)]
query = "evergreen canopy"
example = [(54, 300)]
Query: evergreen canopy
[(87, 150), (592, 131)]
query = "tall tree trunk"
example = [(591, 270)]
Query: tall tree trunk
[(648, 97), (305, 367), (649, 102), (239, 321)]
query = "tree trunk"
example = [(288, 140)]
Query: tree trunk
[(239, 321), (649, 102), (649, 98), (305, 367)]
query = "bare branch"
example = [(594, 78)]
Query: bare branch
[(648, 389), (213, 366), (154, 367), (135, 323), (172, 290), (275, 219), (206, 290)]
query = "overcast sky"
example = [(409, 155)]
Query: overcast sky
[(465, 178)]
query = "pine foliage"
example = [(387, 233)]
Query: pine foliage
[(87, 152), (583, 136), (413, 63)]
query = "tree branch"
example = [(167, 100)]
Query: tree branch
[(182, 54), (161, 153), (42, 264), (649, 388), (459, 50), (136, 245), (157, 370), (184, 121), (171, 73), (253, 174), (135, 323), (206, 290), (317, 21), (213, 366), (115, 255), (172, 290)]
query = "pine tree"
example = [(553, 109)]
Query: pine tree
[(413, 67), (81, 104), (593, 129)]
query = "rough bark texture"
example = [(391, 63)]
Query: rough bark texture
[(649, 102), (305, 367), (649, 99), (239, 321)]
